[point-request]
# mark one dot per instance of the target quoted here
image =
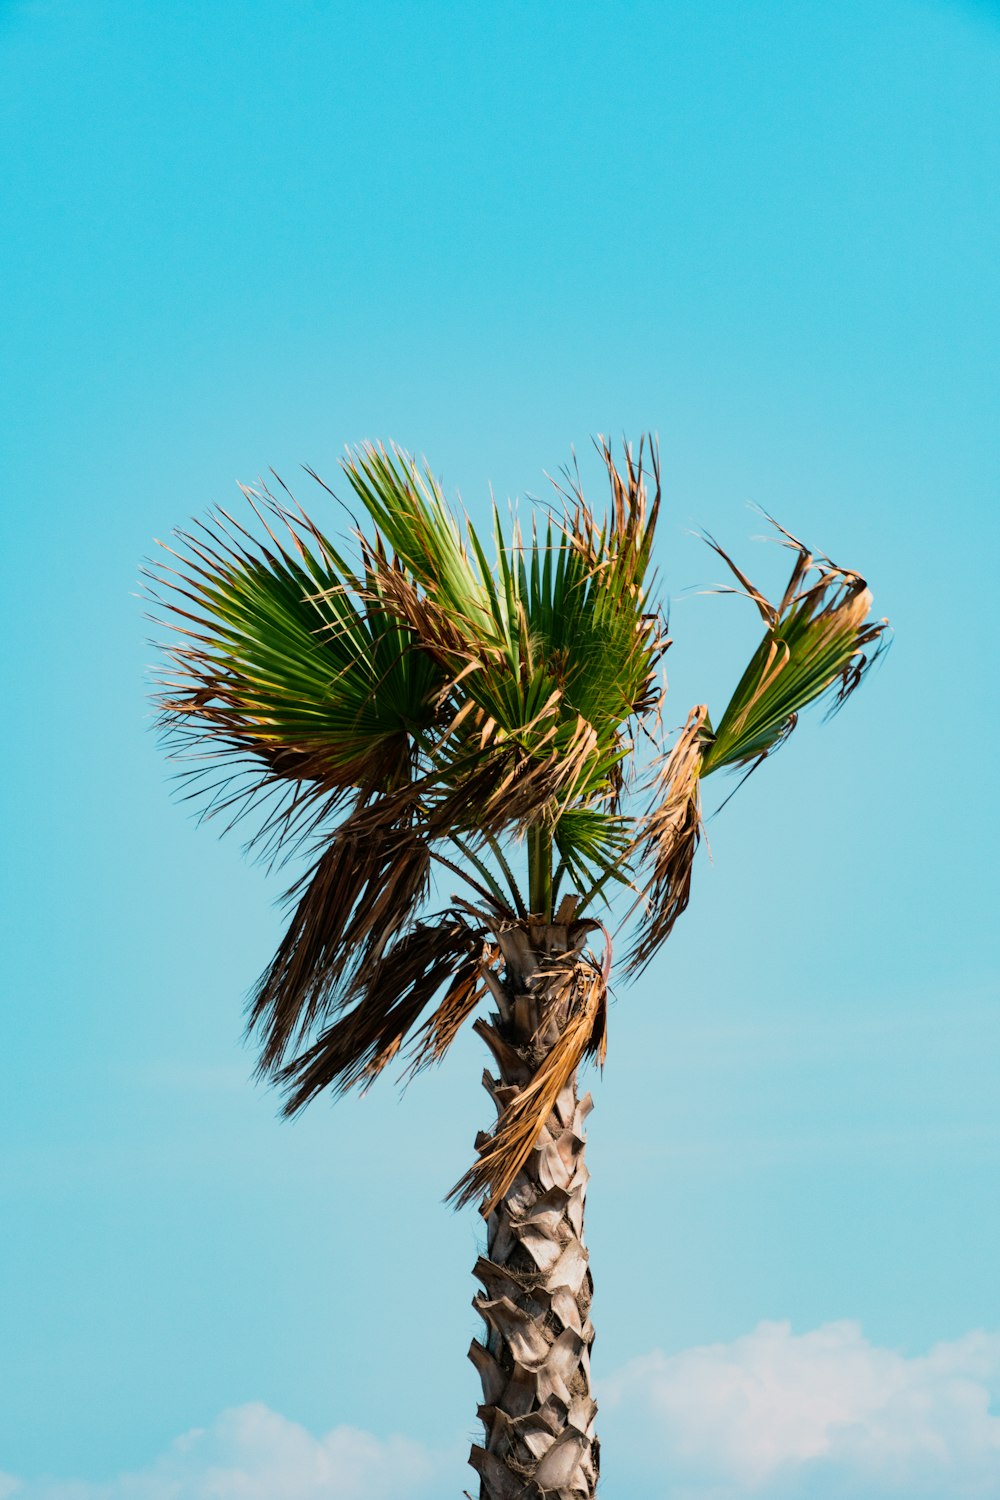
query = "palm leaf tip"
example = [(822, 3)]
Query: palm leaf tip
[(820, 641)]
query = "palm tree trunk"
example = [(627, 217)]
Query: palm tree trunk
[(537, 1409)]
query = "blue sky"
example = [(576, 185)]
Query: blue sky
[(240, 237)]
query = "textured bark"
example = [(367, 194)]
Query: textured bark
[(537, 1410)]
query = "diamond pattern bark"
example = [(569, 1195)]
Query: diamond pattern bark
[(534, 1359)]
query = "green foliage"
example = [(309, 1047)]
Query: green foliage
[(469, 699), (814, 644)]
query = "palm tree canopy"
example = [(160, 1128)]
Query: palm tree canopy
[(447, 697)]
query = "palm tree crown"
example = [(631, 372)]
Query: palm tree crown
[(475, 703)]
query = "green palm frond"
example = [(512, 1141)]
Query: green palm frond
[(411, 514), (550, 638), (280, 654), (599, 614), (593, 847), (819, 641)]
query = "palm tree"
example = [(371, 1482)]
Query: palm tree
[(449, 708)]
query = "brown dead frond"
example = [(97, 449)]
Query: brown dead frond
[(621, 544), (581, 989), (394, 989), (363, 889), (634, 517), (437, 629), (459, 1001), (668, 838), (497, 783)]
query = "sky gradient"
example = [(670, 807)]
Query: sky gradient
[(241, 237)]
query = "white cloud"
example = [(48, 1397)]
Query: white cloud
[(826, 1413), (252, 1453)]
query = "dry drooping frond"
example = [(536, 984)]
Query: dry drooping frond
[(667, 839), (575, 988), (365, 887), (459, 1001), (393, 989)]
